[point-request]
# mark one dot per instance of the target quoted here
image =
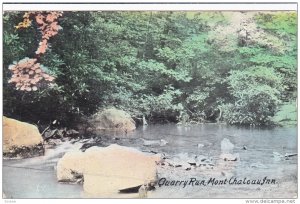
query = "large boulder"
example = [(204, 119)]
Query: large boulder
[(21, 139), (109, 169), (112, 119), (70, 166)]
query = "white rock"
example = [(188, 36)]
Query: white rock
[(200, 145), (277, 156), (226, 146), (163, 142), (109, 169)]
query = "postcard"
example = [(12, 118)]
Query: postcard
[(150, 100)]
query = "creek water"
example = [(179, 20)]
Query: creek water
[(36, 177)]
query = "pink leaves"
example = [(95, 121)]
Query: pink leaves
[(48, 26), (39, 18), (27, 74), (42, 47)]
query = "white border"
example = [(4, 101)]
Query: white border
[(152, 7), (76, 6)]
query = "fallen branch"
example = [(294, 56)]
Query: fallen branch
[(290, 155), (47, 128)]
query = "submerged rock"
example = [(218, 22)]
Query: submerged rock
[(277, 156), (258, 165), (111, 119), (161, 142), (108, 170), (204, 161), (186, 161), (21, 139)]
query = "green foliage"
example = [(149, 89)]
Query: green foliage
[(167, 66), (256, 92), (167, 103), (283, 23), (286, 115)]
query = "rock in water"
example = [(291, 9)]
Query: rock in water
[(230, 157), (161, 142), (70, 165), (182, 160), (21, 139), (204, 161), (150, 142), (226, 146), (277, 156), (108, 170), (112, 119), (200, 145), (258, 165)]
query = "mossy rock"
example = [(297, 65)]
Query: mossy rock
[(112, 119)]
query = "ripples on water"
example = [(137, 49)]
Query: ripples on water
[(38, 178)]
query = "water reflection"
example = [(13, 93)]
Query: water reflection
[(38, 179)]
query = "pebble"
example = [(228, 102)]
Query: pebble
[(230, 157)]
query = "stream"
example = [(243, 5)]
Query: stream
[(36, 177)]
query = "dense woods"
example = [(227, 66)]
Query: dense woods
[(233, 67)]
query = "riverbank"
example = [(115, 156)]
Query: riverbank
[(255, 162)]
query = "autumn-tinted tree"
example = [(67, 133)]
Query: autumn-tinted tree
[(236, 67)]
